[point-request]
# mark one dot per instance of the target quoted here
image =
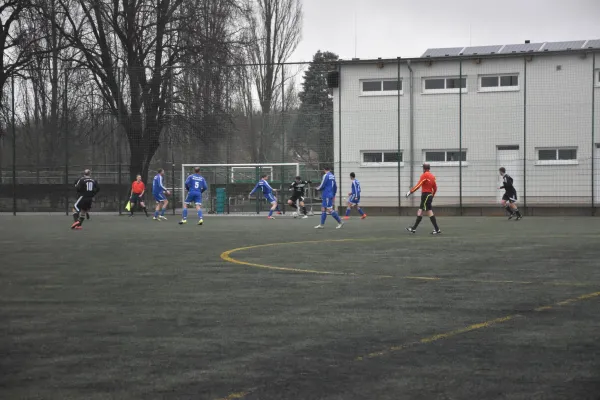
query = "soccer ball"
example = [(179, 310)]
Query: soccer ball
[(295, 214)]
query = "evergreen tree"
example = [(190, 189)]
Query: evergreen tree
[(313, 131)]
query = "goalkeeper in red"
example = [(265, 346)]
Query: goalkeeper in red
[(428, 189)]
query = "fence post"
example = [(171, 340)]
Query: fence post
[(171, 142), (66, 122), (228, 133), (339, 173), (282, 134), (14, 147), (119, 199), (460, 188), (525, 135), (173, 181), (593, 133), (398, 146)]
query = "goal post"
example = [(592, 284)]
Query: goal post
[(229, 185)]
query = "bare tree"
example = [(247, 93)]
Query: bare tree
[(140, 39), (276, 26), (46, 74), (212, 40), (17, 37)]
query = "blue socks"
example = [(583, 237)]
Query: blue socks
[(323, 217), (270, 212), (336, 216), (155, 214), (184, 214), (162, 212), (360, 211)]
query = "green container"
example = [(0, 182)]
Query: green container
[(221, 200)]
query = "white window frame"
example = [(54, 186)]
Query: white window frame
[(498, 88), (557, 161), (381, 92), (382, 163), (445, 163), (445, 91), (597, 77)]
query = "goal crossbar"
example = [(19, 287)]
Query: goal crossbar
[(201, 166)]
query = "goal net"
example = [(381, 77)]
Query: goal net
[(229, 186)]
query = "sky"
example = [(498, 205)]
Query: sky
[(406, 28)]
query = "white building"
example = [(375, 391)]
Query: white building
[(533, 108)]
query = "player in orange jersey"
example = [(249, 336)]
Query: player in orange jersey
[(138, 188), (428, 190)]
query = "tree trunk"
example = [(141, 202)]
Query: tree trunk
[(142, 149)]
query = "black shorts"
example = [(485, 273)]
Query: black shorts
[(136, 198), (83, 204), (426, 200), (511, 197), (295, 198)]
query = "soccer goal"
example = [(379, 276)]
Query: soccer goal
[(229, 185)]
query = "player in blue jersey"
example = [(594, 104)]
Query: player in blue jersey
[(267, 191), (328, 189), (354, 198), (195, 184), (160, 193)]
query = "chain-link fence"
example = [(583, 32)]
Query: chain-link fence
[(534, 114)]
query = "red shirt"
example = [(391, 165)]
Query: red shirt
[(426, 183), (138, 187)]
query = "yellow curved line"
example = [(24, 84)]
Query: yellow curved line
[(226, 256)]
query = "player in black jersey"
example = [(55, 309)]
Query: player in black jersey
[(298, 187), (509, 199), (86, 187), (87, 214)]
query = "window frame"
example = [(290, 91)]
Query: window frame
[(381, 92), (382, 163), (445, 163), (498, 88), (597, 77), (445, 90), (556, 160)]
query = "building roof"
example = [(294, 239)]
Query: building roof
[(512, 48)]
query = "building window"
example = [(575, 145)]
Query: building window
[(557, 156), (381, 87), (508, 147), (444, 85), (373, 158), (445, 157), (499, 83), (597, 75)]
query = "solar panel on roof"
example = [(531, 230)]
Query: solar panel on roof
[(558, 46), (593, 44), (481, 50), (519, 48), (442, 52), (512, 48)]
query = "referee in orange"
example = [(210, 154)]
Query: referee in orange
[(137, 195), (428, 190)]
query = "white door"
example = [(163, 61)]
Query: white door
[(597, 175), (509, 157)]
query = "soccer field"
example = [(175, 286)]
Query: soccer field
[(247, 308)]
